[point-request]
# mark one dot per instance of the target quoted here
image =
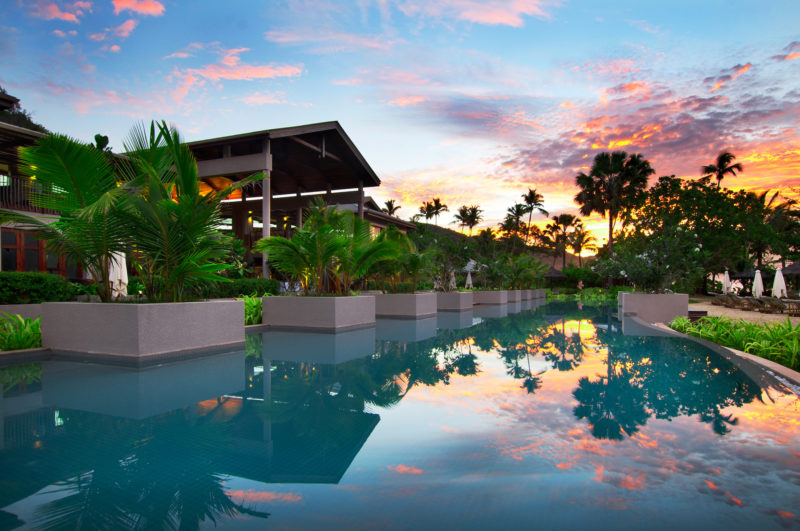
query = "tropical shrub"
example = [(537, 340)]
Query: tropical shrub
[(523, 271), (17, 332), (577, 274), (252, 309), (27, 288), (331, 252), (778, 342)]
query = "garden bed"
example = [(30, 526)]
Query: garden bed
[(318, 313), (406, 305)]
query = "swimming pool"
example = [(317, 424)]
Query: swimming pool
[(546, 418)]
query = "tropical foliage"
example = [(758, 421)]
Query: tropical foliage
[(17, 332)]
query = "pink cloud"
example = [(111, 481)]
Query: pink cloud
[(51, 10), (98, 36), (406, 100), (252, 496), (264, 98), (187, 51), (142, 7), (126, 28), (734, 72), (231, 67), (491, 12), (63, 34), (114, 48), (330, 41), (403, 469)]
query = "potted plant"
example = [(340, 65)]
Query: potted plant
[(147, 205), (328, 256)]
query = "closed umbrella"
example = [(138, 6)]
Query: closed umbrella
[(118, 276), (758, 285), (726, 282), (779, 285), (468, 284), (453, 284)]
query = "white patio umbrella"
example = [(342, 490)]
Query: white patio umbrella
[(468, 284), (758, 285), (726, 282), (118, 276), (779, 285)]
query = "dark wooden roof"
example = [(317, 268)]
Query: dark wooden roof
[(306, 158), (12, 137)]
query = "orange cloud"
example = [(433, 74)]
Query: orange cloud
[(736, 71), (792, 52), (403, 469), (252, 496), (142, 7)]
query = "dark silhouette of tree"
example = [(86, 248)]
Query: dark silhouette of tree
[(722, 167), (613, 186), (468, 216), (390, 207), (533, 201)]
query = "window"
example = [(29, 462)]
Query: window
[(23, 251)]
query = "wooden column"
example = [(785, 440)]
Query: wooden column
[(361, 199), (299, 219), (265, 203)]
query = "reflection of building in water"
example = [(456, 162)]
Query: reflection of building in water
[(288, 424)]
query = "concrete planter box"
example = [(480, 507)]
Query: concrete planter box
[(319, 346), (447, 320), (514, 295), (491, 311), (28, 311), (653, 307), (539, 293), (406, 305), (405, 330), (138, 331), (319, 313), (456, 301), (490, 297)]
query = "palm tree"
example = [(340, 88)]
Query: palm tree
[(581, 239), (427, 210), (722, 166), (533, 201), (390, 208), (438, 207), (513, 225), (615, 182), (468, 216), (559, 228)]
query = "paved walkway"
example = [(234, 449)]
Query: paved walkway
[(755, 317)]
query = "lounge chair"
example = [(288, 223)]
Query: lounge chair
[(772, 305), (719, 299), (792, 306), (743, 303)]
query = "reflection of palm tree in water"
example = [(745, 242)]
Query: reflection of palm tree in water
[(565, 351), (158, 473)]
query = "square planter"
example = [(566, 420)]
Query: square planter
[(540, 294), (528, 294), (448, 320), (317, 346), (319, 313), (405, 330), (405, 305), (491, 297), (457, 301), (514, 295), (135, 331), (28, 311), (653, 307)]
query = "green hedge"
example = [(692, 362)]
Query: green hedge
[(242, 286), (26, 288)]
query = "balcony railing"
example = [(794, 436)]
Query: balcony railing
[(15, 193)]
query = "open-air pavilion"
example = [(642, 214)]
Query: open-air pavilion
[(299, 164)]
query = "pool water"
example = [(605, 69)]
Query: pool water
[(547, 417)]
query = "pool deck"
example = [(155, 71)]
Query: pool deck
[(721, 311)]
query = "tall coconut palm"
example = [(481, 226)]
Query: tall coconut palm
[(390, 207), (533, 201), (580, 240), (438, 207), (513, 225), (722, 167), (468, 216), (615, 182), (560, 228), (427, 210)]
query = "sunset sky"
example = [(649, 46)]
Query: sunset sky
[(469, 101)]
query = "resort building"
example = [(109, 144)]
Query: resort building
[(299, 165)]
